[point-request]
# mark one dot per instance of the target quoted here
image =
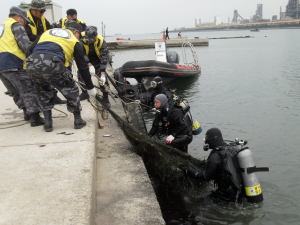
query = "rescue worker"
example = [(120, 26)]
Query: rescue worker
[(215, 169), (71, 15), (39, 24), (14, 48), (97, 56), (48, 64), (169, 121), (158, 88)]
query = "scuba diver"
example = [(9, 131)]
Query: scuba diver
[(171, 122), (230, 188), (158, 87)]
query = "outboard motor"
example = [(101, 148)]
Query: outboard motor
[(173, 57)]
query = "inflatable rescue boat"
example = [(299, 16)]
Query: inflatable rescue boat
[(166, 66)]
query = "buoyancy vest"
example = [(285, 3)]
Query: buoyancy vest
[(64, 20), (97, 44), (11, 56), (34, 27), (64, 38), (231, 168)]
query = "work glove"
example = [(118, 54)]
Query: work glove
[(102, 79), (138, 101), (92, 92), (190, 171), (169, 139), (92, 70), (153, 109)]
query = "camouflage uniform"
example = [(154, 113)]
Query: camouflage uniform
[(99, 64), (46, 70), (17, 80)]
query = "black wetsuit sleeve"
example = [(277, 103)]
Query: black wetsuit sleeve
[(34, 44), (211, 167), (82, 66), (21, 37), (154, 126)]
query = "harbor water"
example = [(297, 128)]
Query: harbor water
[(249, 88)]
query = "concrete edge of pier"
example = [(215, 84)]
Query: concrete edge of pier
[(71, 176), (124, 191)]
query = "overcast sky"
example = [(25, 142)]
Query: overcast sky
[(152, 16)]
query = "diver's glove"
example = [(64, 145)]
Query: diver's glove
[(102, 79), (169, 139), (92, 70), (92, 92), (190, 171)]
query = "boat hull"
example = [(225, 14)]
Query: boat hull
[(153, 68)]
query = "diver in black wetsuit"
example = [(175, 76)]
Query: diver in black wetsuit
[(169, 121), (229, 189), (158, 87)]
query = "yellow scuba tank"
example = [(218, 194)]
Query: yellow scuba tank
[(196, 127), (248, 170)]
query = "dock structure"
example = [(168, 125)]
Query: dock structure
[(150, 43), (71, 176)]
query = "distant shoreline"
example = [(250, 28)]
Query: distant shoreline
[(294, 24), (271, 28)]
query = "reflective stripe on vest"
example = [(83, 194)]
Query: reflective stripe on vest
[(63, 37), (96, 44), (34, 28), (64, 20), (8, 44)]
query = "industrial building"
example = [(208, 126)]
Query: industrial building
[(292, 10), (292, 14)]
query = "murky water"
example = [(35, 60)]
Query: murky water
[(249, 88)]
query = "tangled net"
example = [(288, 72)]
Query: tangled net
[(163, 162)]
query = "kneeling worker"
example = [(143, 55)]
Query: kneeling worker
[(170, 121), (215, 169), (97, 56), (48, 64)]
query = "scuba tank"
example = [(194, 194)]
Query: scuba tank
[(251, 182), (248, 169), (192, 122)]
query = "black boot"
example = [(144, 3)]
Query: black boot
[(106, 100), (58, 101), (26, 116), (48, 127), (83, 96), (78, 122), (36, 119)]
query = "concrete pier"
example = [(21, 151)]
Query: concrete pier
[(51, 178), (150, 43)]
